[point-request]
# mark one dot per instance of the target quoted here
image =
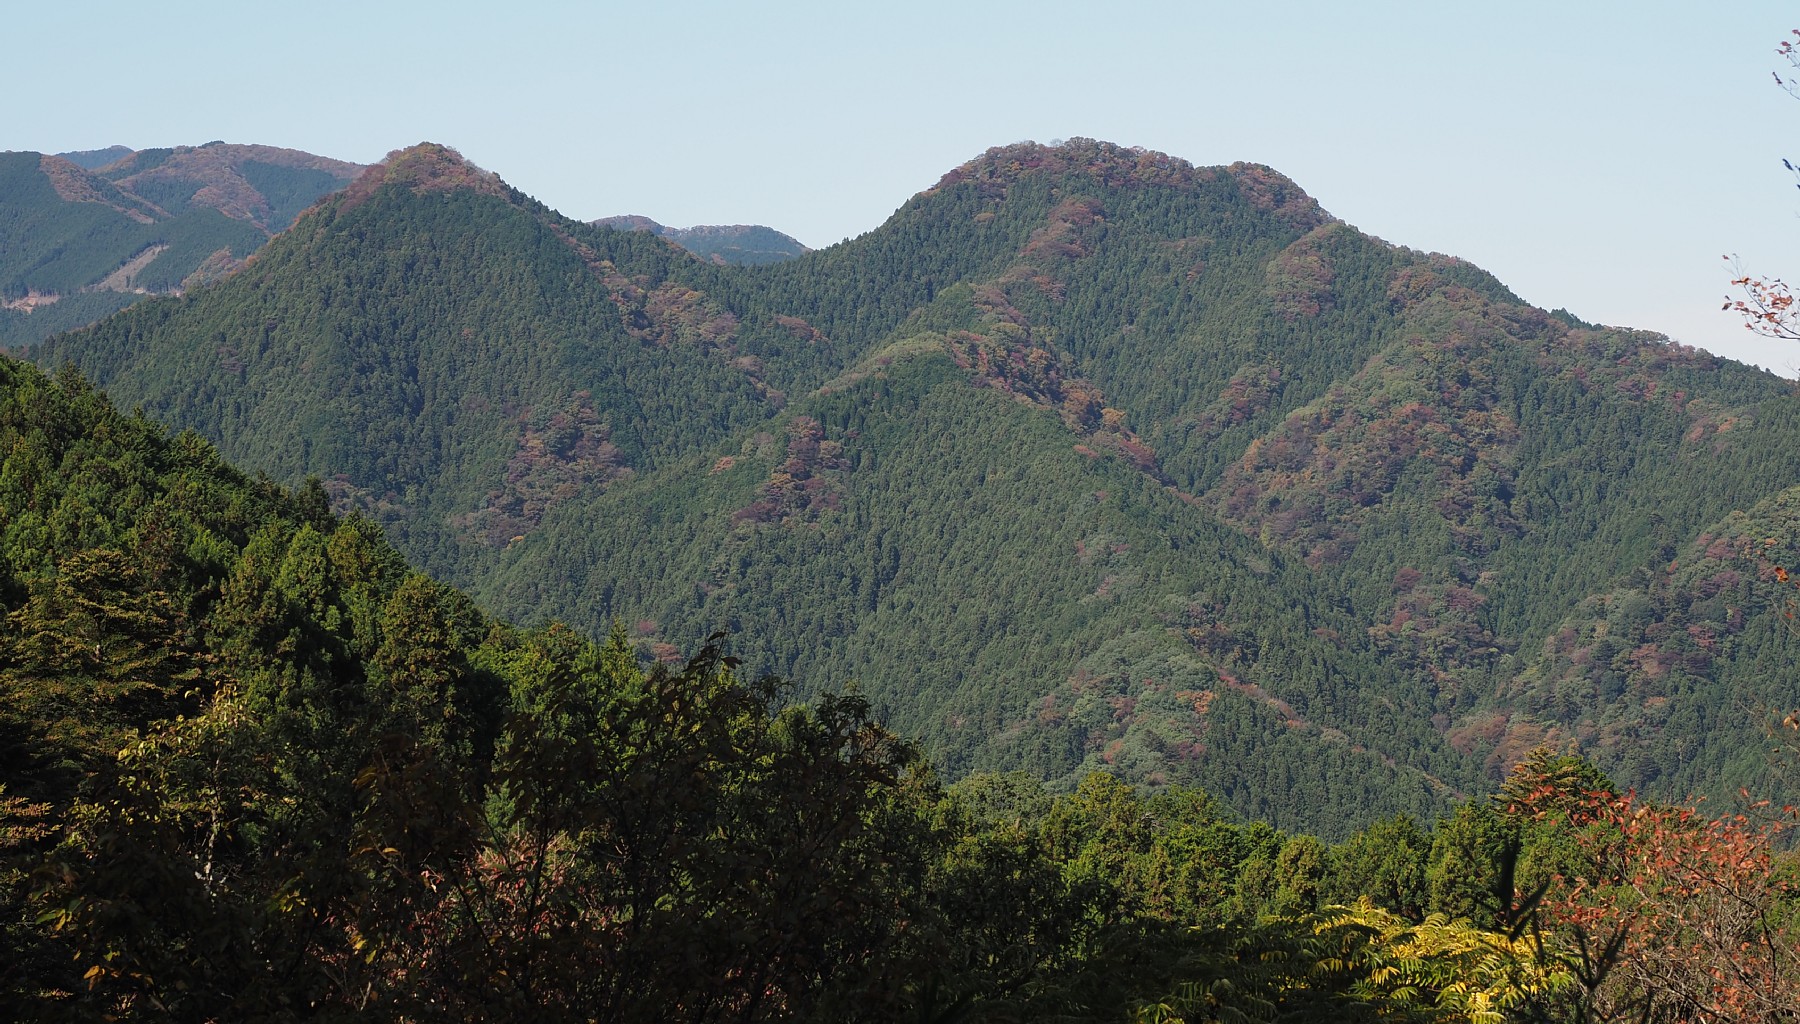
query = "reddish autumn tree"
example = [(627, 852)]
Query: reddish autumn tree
[(1674, 916)]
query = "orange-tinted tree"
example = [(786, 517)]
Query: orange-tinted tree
[(1673, 916)]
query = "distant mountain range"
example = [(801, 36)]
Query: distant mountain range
[(1088, 458), (85, 234), (734, 244)]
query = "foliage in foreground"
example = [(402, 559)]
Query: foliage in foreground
[(256, 769)]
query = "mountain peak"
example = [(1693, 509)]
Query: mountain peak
[(1123, 166), (426, 167), (1110, 161), (630, 222), (1269, 189)]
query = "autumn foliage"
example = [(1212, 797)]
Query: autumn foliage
[(1666, 914)]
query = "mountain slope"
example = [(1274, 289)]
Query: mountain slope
[(1060, 611), (82, 239), (1669, 672), (1087, 456), (239, 739), (444, 351), (264, 185)]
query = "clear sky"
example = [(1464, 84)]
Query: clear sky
[(1596, 155)]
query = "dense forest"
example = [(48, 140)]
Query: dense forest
[(257, 768), (1087, 460)]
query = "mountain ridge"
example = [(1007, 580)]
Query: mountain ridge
[(1086, 458), (217, 175), (79, 242)]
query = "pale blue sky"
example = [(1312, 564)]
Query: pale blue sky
[(1596, 155)]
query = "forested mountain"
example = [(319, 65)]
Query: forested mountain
[(1087, 458), (735, 244), (252, 767), (85, 234)]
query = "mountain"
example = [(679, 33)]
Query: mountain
[(733, 244), (85, 234), (252, 762), (1087, 458), (493, 347)]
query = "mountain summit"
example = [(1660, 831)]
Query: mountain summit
[(1116, 166), (426, 167)]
